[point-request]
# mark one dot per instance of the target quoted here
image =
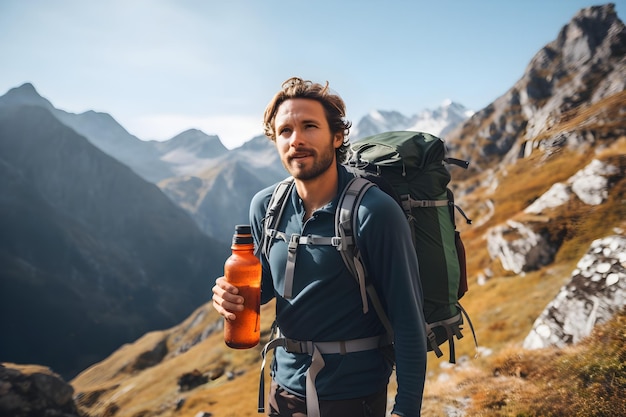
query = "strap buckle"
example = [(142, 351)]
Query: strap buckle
[(297, 346), (293, 243)]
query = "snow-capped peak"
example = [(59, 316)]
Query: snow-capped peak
[(436, 122)]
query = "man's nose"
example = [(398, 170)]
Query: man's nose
[(296, 138)]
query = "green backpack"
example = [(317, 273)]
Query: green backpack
[(409, 166)]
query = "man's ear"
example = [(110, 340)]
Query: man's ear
[(338, 140)]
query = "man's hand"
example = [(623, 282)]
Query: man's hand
[(225, 299)]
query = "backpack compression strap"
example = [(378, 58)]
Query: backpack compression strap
[(408, 203), (452, 327)]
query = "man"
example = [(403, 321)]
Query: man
[(318, 302)]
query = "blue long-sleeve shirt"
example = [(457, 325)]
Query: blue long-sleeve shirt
[(326, 303)]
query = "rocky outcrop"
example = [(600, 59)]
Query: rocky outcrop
[(32, 391), (191, 380), (519, 248), (594, 293), (150, 357), (586, 58), (522, 247), (590, 185), (583, 66)]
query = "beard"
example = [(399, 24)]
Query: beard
[(321, 163)]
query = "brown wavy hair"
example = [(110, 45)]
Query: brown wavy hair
[(333, 104)]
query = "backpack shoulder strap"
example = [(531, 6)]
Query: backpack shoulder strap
[(274, 213), (346, 225), (346, 220)]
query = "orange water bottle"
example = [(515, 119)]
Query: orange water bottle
[(243, 270)]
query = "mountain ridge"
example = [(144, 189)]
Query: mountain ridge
[(89, 250), (186, 165), (581, 67), (437, 122)]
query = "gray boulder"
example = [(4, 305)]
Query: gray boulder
[(594, 293)]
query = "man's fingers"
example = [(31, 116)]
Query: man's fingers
[(226, 314), (225, 285), (225, 299), (228, 299)]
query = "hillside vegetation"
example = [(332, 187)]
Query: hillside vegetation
[(587, 379)]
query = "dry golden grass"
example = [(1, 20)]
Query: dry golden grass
[(605, 116), (113, 387), (587, 379)]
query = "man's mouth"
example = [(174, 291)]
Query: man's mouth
[(300, 155)]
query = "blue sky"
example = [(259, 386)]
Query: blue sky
[(160, 67)]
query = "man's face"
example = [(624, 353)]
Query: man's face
[(303, 138)]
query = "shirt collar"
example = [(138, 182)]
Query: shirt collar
[(343, 177)]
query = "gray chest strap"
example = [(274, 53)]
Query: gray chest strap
[(292, 251)]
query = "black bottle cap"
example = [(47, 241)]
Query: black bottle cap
[(243, 235), (243, 229)]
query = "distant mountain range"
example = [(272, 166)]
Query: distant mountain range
[(438, 122), (195, 170), (91, 255)]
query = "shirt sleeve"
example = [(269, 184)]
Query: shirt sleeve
[(387, 248)]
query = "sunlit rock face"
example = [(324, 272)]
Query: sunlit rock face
[(594, 293), (521, 247)]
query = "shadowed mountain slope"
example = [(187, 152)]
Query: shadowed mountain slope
[(92, 255)]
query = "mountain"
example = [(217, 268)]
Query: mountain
[(441, 120), (196, 171), (92, 256), (101, 130), (571, 75), (218, 196), (437, 122), (547, 200), (190, 151)]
